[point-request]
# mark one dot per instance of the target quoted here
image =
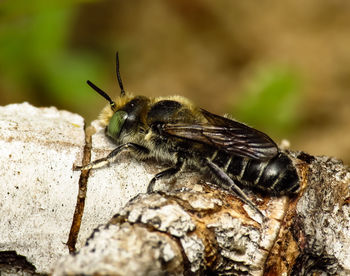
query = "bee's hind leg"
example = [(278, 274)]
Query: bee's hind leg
[(232, 185), (165, 174), (111, 156)]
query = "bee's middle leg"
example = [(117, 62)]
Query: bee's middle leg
[(165, 174)]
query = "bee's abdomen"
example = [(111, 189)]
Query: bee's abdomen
[(277, 175)]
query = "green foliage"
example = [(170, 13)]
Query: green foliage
[(271, 101), (36, 57)]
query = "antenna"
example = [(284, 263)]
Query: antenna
[(102, 93), (122, 91)]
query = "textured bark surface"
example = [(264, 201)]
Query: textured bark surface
[(39, 189), (315, 236), (188, 227), (36, 181)]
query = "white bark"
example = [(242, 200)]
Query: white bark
[(189, 226), (39, 189)]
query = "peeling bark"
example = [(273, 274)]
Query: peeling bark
[(188, 227)]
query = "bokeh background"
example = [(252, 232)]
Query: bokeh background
[(280, 66)]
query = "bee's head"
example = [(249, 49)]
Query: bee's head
[(111, 115), (122, 115)]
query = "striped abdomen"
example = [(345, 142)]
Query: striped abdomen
[(277, 175)]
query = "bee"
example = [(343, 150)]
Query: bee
[(173, 130)]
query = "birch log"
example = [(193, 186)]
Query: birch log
[(188, 227)]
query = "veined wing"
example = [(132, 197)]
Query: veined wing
[(226, 134)]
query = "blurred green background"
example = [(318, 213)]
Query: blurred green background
[(281, 67)]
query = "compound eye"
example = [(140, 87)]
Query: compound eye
[(116, 123)]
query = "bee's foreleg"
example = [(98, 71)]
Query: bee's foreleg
[(232, 185), (166, 174), (111, 156)]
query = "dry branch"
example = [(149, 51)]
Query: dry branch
[(188, 227)]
